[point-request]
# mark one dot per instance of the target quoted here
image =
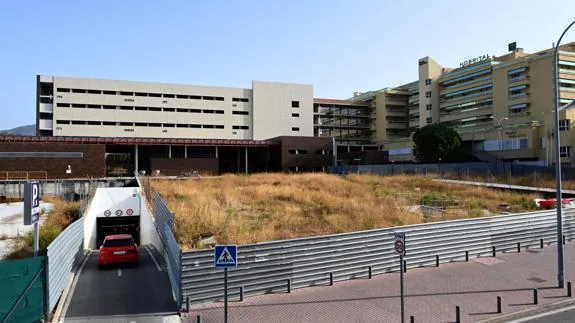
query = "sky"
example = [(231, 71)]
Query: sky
[(338, 46)]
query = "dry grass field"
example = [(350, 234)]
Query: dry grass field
[(246, 209)]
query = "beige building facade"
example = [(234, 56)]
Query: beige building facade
[(69, 106), (501, 106)]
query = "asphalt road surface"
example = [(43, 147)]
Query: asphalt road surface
[(139, 294), (563, 315)]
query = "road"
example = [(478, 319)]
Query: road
[(563, 315), (139, 294)]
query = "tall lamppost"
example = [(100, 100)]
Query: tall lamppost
[(560, 266), (499, 131)]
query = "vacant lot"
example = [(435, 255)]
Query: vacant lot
[(533, 179), (246, 209)]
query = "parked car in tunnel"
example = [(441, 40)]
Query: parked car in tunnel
[(118, 249)]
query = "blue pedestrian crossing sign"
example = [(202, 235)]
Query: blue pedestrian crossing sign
[(226, 256)]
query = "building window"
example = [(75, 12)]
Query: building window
[(428, 120), (428, 106), (295, 115), (427, 81), (240, 127), (243, 113), (565, 151), (295, 104), (428, 94), (564, 125), (294, 129), (297, 151)]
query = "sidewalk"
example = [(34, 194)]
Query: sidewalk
[(431, 293)]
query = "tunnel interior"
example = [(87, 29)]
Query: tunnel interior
[(117, 225)]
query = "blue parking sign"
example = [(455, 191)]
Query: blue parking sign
[(32, 198), (226, 256)]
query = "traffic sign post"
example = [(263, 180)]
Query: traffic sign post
[(32, 199), (399, 243), (226, 256)]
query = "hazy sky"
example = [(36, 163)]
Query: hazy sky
[(338, 46)]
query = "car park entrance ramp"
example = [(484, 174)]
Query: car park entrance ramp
[(118, 210)]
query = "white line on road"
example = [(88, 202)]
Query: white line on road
[(119, 272), (71, 292), (153, 258), (560, 310)]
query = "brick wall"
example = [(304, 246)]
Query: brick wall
[(92, 164), (304, 153), (176, 166)]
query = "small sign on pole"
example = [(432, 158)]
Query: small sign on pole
[(399, 244), (32, 199), (226, 256)]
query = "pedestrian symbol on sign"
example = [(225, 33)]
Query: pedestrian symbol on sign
[(225, 256)]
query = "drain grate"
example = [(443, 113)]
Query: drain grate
[(537, 280)]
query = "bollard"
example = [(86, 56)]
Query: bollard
[(568, 289), (369, 272), (411, 319), (436, 260), (499, 311), (330, 279), (241, 293), (518, 247), (466, 255), (535, 297), (541, 243), (288, 281), (187, 304), (405, 266), (493, 251), (457, 315), (199, 319)]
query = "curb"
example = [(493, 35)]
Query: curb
[(529, 312), (65, 293)]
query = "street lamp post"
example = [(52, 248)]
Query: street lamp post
[(499, 131), (560, 265)]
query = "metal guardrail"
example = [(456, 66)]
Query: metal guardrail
[(507, 186), (64, 253), (164, 221), (283, 265)]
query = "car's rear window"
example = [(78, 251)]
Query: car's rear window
[(118, 243)]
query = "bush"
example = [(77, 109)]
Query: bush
[(60, 218)]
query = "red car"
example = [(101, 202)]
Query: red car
[(118, 248)]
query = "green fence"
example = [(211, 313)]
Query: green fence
[(22, 290)]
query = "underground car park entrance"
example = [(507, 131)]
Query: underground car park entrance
[(106, 226), (141, 289)]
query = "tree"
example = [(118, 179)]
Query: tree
[(436, 141)]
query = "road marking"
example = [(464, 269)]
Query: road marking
[(119, 272), (560, 310), (153, 258), (71, 293), (172, 319)]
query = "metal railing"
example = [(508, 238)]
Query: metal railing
[(64, 253), (164, 223), (23, 175), (284, 265)]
